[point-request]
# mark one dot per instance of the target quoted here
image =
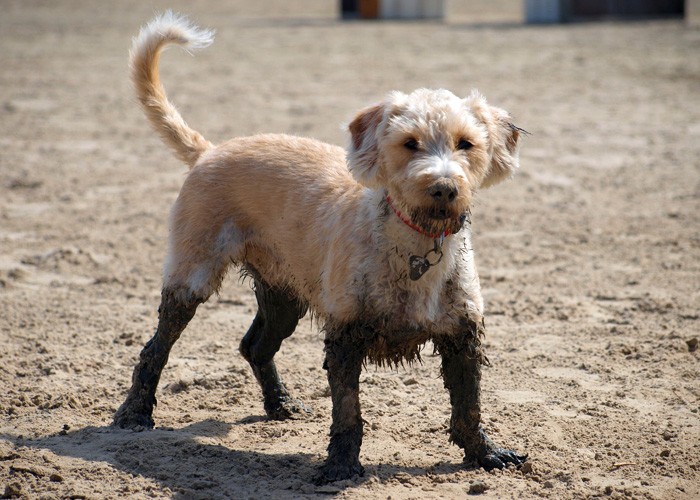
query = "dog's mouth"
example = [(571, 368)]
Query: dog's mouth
[(436, 220), (438, 214), (433, 221)]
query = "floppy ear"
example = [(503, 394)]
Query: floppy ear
[(363, 155), (505, 157), (503, 141)]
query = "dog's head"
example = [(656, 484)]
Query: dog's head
[(431, 150)]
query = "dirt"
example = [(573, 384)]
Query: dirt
[(589, 258)]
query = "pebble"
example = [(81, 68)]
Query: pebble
[(403, 477), (665, 453), (692, 344), (478, 487), (548, 484), (12, 490), (56, 478), (526, 468), (307, 489)]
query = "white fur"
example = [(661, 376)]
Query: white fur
[(175, 28), (436, 166)]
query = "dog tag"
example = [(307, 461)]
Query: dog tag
[(417, 266)]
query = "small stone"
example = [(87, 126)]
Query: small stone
[(307, 488), (692, 344), (56, 478), (665, 453), (548, 484), (295, 485), (12, 490), (403, 477), (526, 468), (410, 381), (608, 490), (478, 487)]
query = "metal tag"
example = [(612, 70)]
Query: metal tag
[(417, 266)]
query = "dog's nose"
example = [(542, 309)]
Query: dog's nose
[(443, 191)]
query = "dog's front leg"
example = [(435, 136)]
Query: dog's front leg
[(345, 350), (462, 358)]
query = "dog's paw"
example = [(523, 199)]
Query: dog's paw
[(338, 472), (485, 453), (287, 408), (499, 458), (126, 418)]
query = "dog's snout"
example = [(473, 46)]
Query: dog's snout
[(443, 191)]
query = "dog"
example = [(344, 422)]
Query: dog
[(375, 241)]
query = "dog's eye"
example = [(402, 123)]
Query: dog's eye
[(464, 144), (411, 144)]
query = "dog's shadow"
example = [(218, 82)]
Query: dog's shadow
[(183, 461)]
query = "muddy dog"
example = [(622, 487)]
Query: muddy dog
[(375, 241)]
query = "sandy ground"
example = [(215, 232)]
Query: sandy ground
[(589, 257)]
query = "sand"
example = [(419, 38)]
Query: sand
[(589, 257)]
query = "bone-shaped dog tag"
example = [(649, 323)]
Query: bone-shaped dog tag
[(417, 266)]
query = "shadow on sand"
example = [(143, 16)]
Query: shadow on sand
[(183, 461)]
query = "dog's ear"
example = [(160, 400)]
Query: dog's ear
[(363, 154), (504, 138), (505, 144)]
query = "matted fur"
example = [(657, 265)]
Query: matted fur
[(313, 219)]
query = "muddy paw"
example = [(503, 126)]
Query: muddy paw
[(127, 418), (287, 409), (498, 458), (337, 472)]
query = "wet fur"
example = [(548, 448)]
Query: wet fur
[(310, 223)]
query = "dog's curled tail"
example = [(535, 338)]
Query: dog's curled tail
[(165, 29)]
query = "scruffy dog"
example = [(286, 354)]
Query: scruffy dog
[(374, 241)]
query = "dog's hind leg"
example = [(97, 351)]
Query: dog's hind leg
[(277, 317), (196, 263), (462, 358), (174, 313)]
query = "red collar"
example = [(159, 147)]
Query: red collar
[(412, 225)]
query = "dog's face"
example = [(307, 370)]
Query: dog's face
[(430, 151)]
